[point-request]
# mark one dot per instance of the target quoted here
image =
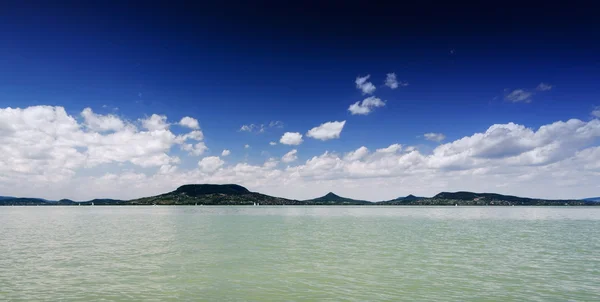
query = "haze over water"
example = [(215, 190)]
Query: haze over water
[(299, 253)]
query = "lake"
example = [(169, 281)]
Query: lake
[(285, 253)]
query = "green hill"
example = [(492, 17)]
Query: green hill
[(208, 194), (333, 199), (402, 200)]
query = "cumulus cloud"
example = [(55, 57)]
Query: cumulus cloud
[(195, 149), (96, 122), (366, 106), (291, 138), (390, 149), (210, 164), (246, 146), (356, 154), (543, 87), (364, 86), (327, 131), (189, 122), (434, 137), (271, 163), (272, 143), (50, 154), (45, 140), (596, 112), (155, 122), (290, 156), (225, 153)]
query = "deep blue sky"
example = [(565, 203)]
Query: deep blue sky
[(229, 65)]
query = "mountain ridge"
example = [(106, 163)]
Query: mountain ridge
[(233, 194)]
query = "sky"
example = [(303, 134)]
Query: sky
[(368, 100)]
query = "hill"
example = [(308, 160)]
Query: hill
[(333, 199), (596, 199), (479, 199), (208, 194), (23, 201), (401, 200)]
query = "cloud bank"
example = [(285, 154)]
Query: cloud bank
[(51, 154)]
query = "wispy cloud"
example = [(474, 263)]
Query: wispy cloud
[(519, 95), (525, 95), (392, 82), (596, 111), (260, 128), (543, 87), (276, 124), (434, 137)]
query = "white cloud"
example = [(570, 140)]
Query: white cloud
[(356, 154), (210, 164), (519, 95), (434, 137), (522, 95), (155, 122), (364, 86), (291, 138), (45, 140), (390, 149), (290, 156), (271, 163), (50, 154), (596, 112), (366, 106), (272, 143), (189, 122), (225, 153), (543, 87), (195, 149), (97, 122), (260, 128), (246, 146), (276, 124), (253, 128), (327, 131), (391, 81)]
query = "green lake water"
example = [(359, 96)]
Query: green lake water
[(193, 253)]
